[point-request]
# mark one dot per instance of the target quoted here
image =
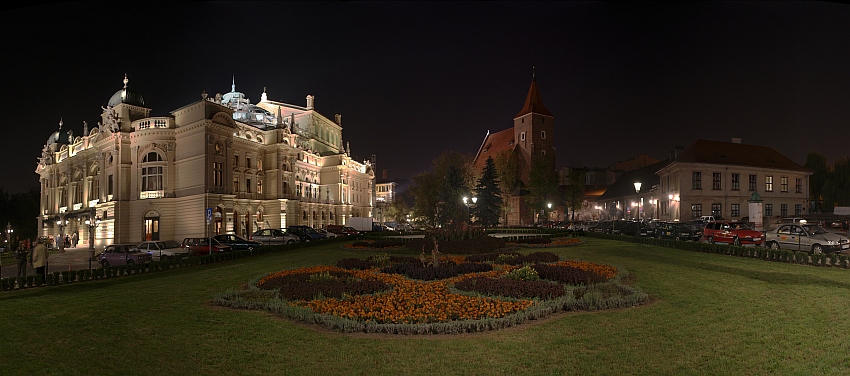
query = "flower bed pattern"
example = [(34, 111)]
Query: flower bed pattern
[(462, 294)]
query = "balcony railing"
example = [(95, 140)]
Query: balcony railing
[(151, 194)]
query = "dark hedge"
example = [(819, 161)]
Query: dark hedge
[(567, 274), (512, 288)]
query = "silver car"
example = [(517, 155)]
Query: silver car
[(273, 236), (808, 238), (163, 249)]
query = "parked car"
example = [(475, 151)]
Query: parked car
[(342, 230), (732, 232), (305, 233), (326, 233), (237, 243), (201, 246), (635, 228), (676, 231), (808, 238), (163, 249), (123, 254), (273, 236)]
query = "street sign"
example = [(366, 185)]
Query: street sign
[(209, 214)]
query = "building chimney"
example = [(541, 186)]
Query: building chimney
[(736, 140), (310, 102)]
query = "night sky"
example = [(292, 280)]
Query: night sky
[(413, 80)]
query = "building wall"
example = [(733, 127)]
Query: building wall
[(677, 181), (298, 170)]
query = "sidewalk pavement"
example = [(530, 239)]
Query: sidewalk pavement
[(76, 258)]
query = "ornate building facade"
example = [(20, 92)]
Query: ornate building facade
[(137, 177)]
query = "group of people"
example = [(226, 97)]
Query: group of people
[(69, 241), (37, 256)]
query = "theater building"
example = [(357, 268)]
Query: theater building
[(251, 165)]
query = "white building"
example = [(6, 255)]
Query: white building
[(263, 165)]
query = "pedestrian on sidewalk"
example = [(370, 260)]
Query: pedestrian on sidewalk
[(75, 237), (39, 258), (22, 255), (60, 243), (67, 241)]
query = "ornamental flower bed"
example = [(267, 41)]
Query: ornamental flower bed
[(405, 295), (547, 242)]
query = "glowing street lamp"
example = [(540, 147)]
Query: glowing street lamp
[(637, 190), (466, 202)]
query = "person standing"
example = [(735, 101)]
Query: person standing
[(74, 239), (21, 255), (39, 259), (60, 243)]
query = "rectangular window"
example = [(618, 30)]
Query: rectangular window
[(717, 210), (783, 184), (768, 210), (768, 183), (522, 136), (218, 168), (78, 194), (235, 160), (259, 186), (798, 185), (248, 162), (259, 164), (716, 179), (783, 210), (109, 185), (235, 184), (736, 210), (736, 182), (94, 190), (696, 210), (752, 183), (696, 180), (248, 185), (798, 210)]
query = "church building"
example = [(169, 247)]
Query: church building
[(532, 135), (220, 164)]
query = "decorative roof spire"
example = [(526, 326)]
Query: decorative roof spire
[(533, 103), (60, 123), (233, 86), (125, 81)]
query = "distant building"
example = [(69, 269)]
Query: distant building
[(531, 135), (269, 164), (718, 178)]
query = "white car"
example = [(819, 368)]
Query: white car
[(163, 249), (327, 233)]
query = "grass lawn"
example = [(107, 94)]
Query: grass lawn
[(711, 314)]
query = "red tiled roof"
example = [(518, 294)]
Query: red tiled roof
[(494, 144), (729, 153), (533, 103)]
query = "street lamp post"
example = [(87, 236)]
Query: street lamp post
[(9, 232), (466, 202), (549, 210), (61, 243), (637, 190), (92, 222)]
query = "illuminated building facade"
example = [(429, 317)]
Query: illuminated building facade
[(263, 165)]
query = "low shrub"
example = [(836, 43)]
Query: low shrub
[(525, 273), (567, 274), (468, 246), (541, 240), (517, 289)]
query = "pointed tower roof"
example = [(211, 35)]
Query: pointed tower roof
[(533, 103)]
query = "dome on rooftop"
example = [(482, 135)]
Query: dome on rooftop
[(59, 137), (126, 95)]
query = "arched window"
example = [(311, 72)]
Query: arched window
[(305, 215), (153, 166)]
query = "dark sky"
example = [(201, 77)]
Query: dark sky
[(413, 80)]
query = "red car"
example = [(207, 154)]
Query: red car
[(200, 246), (732, 232)]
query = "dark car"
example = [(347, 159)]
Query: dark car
[(123, 254), (342, 230), (676, 231), (237, 243), (634, 228), (272, 236), (305, 233)]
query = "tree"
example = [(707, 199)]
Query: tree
[(817, 182), (438, 194), (424, 189), (488, 208), (542, 183), (574, 193), (507, 165)]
